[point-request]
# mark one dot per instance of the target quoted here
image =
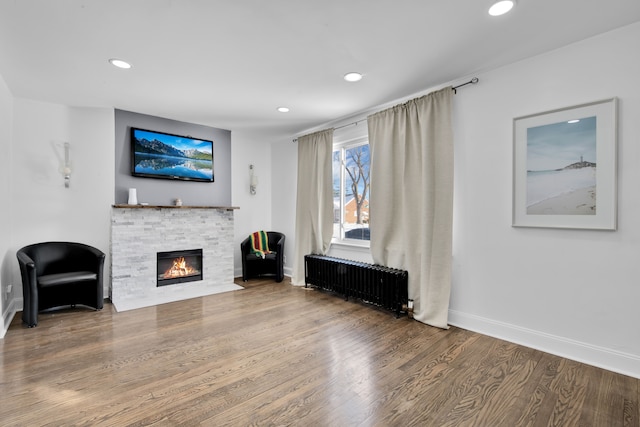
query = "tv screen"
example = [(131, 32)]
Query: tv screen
[(163, 155)]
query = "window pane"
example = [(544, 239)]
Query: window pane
[(336, 194), (356, 192)]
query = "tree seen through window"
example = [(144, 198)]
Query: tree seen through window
[(351, 191)]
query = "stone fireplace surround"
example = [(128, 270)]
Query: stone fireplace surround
[(139, 232)]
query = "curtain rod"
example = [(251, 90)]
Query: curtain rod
[(454, 88), (470, 82)]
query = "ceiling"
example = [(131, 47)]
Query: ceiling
[(231, 63)]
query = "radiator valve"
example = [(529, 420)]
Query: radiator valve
[(408, 308)]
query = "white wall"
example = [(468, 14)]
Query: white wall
[(42, 208), (7, 258), (255, 210), (569, 292)]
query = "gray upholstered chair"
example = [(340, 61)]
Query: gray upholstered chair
[(57, 274)]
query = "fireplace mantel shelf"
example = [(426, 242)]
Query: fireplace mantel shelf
[(125, 206)]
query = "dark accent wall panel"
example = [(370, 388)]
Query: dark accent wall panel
[(164, 191)]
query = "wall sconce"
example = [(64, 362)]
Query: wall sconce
[(253, 180), (66, 167)]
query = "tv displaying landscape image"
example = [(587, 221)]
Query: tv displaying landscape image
[(163, 155)]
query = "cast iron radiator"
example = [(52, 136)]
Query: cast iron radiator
[(382, 286)]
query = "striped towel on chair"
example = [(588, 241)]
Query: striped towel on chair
[(260, 244)]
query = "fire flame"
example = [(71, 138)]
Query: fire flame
[(179, 269)]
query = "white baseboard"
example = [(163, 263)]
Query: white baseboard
[(9, 314), (605, 358)]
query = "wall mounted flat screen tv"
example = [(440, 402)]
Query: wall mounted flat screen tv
[(164, 155)]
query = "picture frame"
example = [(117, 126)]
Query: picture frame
[(565, 167)]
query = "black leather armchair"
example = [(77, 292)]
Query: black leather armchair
[(56, 274), (272, 264)]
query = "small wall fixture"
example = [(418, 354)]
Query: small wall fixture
[(66, 167), (501, 7), (253, 180)]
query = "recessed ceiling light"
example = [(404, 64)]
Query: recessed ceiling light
[(120, 63), (353, 77), (283, 109), (573, 121), (501, 7)]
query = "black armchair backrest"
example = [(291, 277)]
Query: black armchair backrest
[(60, 257), (274, 239)]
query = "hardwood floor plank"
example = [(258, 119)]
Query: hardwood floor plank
[(613, 407), (630, 416), (570, 386), (498, 410), (274, 354), (419, 397), (536, 401)]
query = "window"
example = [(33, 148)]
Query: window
[(351, 180)]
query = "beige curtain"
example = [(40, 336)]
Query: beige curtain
[(314, 203), (411, 206)]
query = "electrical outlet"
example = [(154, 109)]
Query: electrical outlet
[(284, 258), (9, 288)]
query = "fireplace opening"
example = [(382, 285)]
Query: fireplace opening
[(179, 266)]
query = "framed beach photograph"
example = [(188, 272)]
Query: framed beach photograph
[(564, 167)]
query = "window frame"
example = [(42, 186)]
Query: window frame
[(342, 146)]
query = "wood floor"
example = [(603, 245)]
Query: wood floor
[(273, 354)]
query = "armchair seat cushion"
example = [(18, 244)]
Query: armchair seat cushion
[(64, 278), (270, 256)]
